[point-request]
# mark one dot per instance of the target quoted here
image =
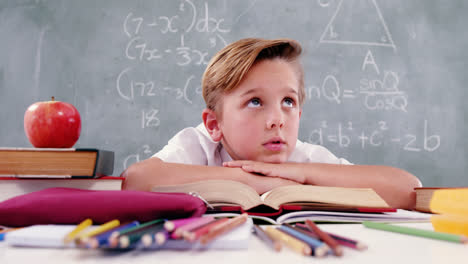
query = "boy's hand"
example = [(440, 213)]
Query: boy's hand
[(282, 170)]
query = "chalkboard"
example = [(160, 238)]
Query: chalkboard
[(385, 80)]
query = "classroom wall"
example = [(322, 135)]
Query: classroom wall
[(385, 80)]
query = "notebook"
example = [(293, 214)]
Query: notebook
[(237, 238), (44, 236)]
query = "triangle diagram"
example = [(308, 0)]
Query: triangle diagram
[(358, 22)]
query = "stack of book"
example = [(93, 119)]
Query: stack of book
[(450, 206), (24, 170)]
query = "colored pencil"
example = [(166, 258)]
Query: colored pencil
[(171, 225), (191, 226), (194, 235), (344, 241), (155, 237), (290, 241), (276, 245), (78, 229), (132, 239), (102, 240), (6, 230), (318, 248), (331, 242), (223, 228), (417, 232), (114, 240), (83, 238)]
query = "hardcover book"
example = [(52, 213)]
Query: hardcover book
[(450, 208), (227, 195), (56, 162), (424, 196), (11, 186)]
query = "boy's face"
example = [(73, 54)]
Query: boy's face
[(260, 118)]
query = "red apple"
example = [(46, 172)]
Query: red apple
[(52, 124)]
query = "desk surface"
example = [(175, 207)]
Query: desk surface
[(384, 247)]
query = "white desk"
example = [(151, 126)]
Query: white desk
[(384, 247)]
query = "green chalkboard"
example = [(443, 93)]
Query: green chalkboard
[(385, 80)]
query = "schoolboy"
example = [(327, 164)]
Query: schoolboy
[(254, 92)]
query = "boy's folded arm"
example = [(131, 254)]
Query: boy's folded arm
[(394, 185), (151, 172)]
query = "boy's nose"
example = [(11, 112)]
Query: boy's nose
[(275, 120)]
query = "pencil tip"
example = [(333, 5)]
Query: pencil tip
[(361, 246), (321, 251), (338, 251)]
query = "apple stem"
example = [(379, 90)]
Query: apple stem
[(53, 98)]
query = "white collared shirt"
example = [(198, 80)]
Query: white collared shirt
[(193, 145)]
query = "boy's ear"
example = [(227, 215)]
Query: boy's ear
[(212, 124)]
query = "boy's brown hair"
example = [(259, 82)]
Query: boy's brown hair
[(229, 66)]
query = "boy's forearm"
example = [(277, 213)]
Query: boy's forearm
[(151, 172), (394, 185), (143, 175)]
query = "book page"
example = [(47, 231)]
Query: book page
[(218, 191), (358, 197), (399, 216)]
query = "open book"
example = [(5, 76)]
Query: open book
[(226, 195), (397, 216)]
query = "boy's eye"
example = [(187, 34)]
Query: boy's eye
[(288, 102), (254, 102)]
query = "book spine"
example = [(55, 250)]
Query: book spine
[(104, 163)]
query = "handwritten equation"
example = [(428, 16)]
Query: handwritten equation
[(180, 49), (142, 49), (375, 94), (130, 88), (345, 134)]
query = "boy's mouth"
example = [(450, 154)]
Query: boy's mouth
[(275, 144)]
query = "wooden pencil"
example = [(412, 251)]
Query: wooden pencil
[(417, 232), (114, 239), (194, 235), (84, 238), (78, 229), (195, 223), (290, 241), (267, 239), (336, 248), (155, 238), (103, 239), (318, 248), (223, 228), (130, 240), (171, 225), (344, 241)]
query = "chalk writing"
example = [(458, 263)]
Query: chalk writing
[(149, 118), (140, 50), (129, 89), (378, 94), (145, 152), (143, 49), (344, 135), (332, 36), (134, 25)]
